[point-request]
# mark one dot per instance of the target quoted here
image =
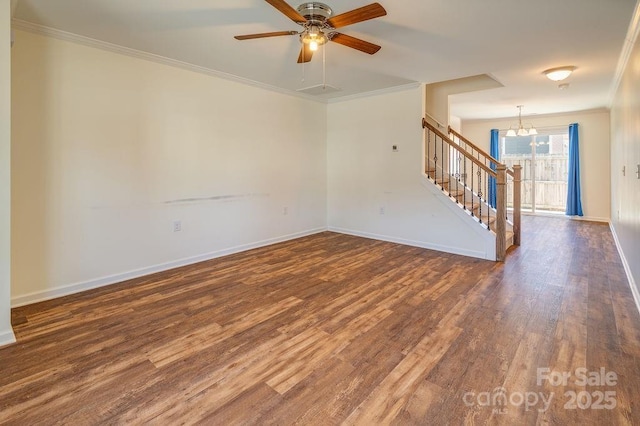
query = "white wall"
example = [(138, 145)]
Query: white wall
[(6, 333), (594, 151), (109, 150), (365, 176), (625, 152)]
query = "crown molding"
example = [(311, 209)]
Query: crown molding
[(19, 24), (625, 54), (537, 117), (384, 91)]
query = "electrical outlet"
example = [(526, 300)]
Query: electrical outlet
[(177, 226), (381, 210), (285, 211)]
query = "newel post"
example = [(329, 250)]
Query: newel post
[(517, 202), (501, 212)]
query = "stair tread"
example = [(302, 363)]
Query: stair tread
[(470, 206)]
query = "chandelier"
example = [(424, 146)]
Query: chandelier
[(521, 131)]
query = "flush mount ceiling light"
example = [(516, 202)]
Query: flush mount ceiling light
[(521, 130), (559, 73)]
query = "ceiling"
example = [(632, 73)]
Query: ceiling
[(424, 41)]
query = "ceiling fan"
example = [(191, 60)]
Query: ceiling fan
[(318, 25)]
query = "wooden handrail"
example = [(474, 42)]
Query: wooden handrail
[(474, 146), (455, 146), (501, 175)]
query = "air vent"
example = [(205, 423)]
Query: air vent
[(318, 90)]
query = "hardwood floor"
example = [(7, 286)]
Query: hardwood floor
[(333, 329)]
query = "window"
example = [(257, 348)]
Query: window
[(544, 160)]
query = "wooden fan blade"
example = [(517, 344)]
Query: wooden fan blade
[(364, 13), (305, 54), (355, 43), (287, 10), (263, 35)]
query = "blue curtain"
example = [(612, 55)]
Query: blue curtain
[(494, 152), (574, 204)]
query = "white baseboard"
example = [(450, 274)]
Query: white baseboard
[(590, 218), (437, 247), (627, 269), (7, 337), (561, 215), (40, 296)]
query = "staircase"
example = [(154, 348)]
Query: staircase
[(475, 181)]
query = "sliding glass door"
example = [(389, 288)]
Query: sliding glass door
[(544, 160)]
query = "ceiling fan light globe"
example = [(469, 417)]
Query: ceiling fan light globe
[(313, 45), (317, 39)]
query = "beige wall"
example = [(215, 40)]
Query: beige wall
[(436, 102), (6, 334), (378, 193), (625, 152), (594, 133), (110, 150)]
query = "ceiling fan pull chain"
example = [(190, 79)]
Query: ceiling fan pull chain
[(324, 66)]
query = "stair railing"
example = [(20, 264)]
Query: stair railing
[(472, 149), (515, 174), (465, 176)]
